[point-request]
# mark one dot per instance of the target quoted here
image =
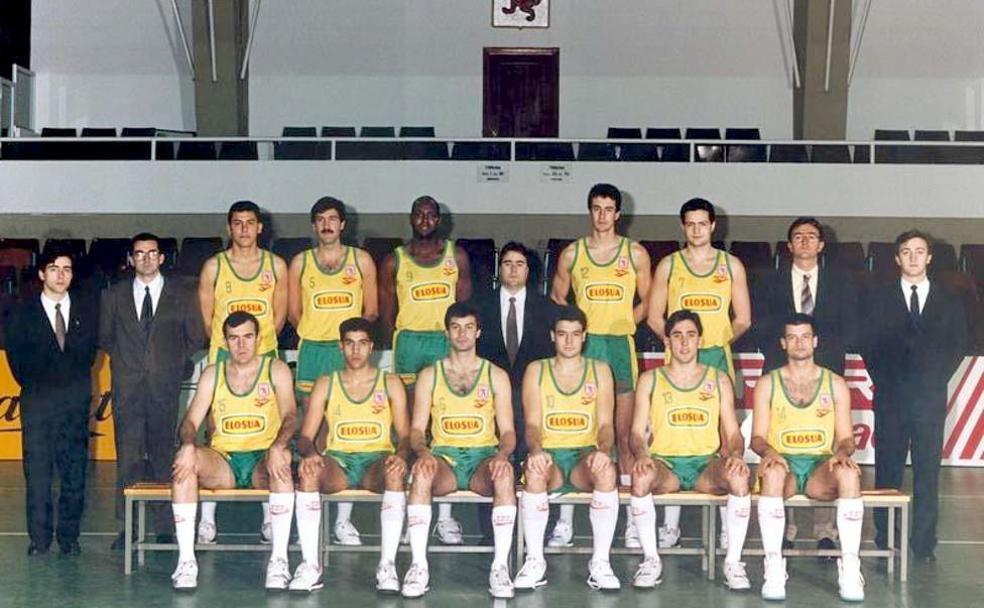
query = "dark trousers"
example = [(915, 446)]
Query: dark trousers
[(56, 436), (144, 423), (913, 421)]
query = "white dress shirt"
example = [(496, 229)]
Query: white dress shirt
[(922, 291), (139, 290), (49, 309), (797, 276), (520, 307)]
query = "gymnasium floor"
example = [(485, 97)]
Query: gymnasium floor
[(236, 579)]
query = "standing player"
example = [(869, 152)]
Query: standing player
[(360, 406), (250, 400), (606, 272), (424, 277), (242, 278), (712, 283), (801, 427), (468, 402), (328, 284), (696, 445), (568, 401)]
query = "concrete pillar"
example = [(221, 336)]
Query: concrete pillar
[(820, 113), (221, 107)]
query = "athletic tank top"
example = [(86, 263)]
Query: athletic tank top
[(359, 426), (684, 421), (568, 420), (708, 295), (802, 429), (605, 291), (246, 422), (328, 298), (424, 292), (463, 420), (252, 294)]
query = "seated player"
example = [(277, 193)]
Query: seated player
[(568, 403), (360, 407), (250, 400), (696, 445), (802, 429), (466, 399)]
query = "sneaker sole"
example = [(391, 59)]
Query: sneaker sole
[(540, 583), (315, 587), (595, 586), (559, 545), (411, 597), (348, 543), (386, 591), (774, 598), (503, 596)]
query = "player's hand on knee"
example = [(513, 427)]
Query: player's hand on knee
[(500, 467), (538, 463), (772, 460), (426, 465), (842, 460), (185, 464), (278, 463), (735, 466), (644, 467), (598, 461), (311, 466), (395, 466)]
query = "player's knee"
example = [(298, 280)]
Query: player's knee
[(393, 480), (738, 484), (773, 481), (606, 477), (848, 480), (642, 484)]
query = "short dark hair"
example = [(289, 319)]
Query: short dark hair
[(697, 204), (605, 191), (518, 247), (569, 312), (237, 318), (799, 318), (144, 236), (914, 233), (460, 310), (804, 221), (680, 316), (353, 325), (242, 207), (326, 203), (50, 254), (425, 200)]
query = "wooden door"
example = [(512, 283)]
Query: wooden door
[(521, 92)]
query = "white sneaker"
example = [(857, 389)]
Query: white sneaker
[(648, 574), (266, 533), (347, 534), (416, 580), (533, 574), (562, 535), (735, 577), (774, 583), (601, 576), (277, 574), (632, 535), (387, 580), (206, 532), (668, 537), (849, 579), (185, 576), (499, 584), (307, 577), (449, 532)]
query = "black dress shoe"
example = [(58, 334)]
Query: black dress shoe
[(119, 543), (828, 545), (33, 549), (166, 539), (71, 548)]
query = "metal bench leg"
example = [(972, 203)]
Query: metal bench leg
[(891, 541), (128, 536), (904, 549), (325, 535), (141, 531), (520, 533), (711, 519)]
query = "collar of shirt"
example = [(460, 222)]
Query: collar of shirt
[(520, 308), (139, 289), (796, 276), (49, 309), (922, 291)]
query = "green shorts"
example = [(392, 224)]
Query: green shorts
[(316, 359), (223, 355), (802, 466), (719, 357), (243, 464), (619, 353), (463, 461), (415, 350), (686, 468), (566, 459), (355, 464)]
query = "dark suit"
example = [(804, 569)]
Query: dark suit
[(910, 366), (56, 390), (147, 370)]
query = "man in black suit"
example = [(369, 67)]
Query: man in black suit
[(51, 346), (914, 342), (826, 294), (150, 328)]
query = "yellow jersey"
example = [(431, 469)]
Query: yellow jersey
[(246, 422), (568, 420), (252, 294), (605, 291), (802, 429), (709, 295), (463, 420), (424, 292), (359, 425), (684, 421), (329, 297)]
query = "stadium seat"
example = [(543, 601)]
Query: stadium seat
[(554, 248), (788, 153), (380, 246), (624, 133), (753, 254), (195, 150), (782, 255), (846, 256), (138, 132), (662, 133), (742, 133), (881, 258), (706, 153), (58, 132), (108, 256), (593, 151), (416, 131), (482, 259), (288, 247), (98, 132), (237, 150), (299, 132), (744, 153), (550, 151), (55, 150), (658, 250), (377, 132), (480, 150), (75, 247), (638, 153), (8, 281), (702, 133), (944, 257), (968, 136), (138, 150), (368, 150), (892, 135), (674, 153), (301, 150), (19, 253), (169, 247), (719, 244), (824, 153), (194, 251), (921, 135), (425, 150), (337, 131)]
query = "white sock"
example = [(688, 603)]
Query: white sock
[(391, 524), (308, 507), (344, 512), (266, 511), (281, 515), (208, 511), (850, 516), (671, 517), (503, 520), (418, 525), (567, 515), (536, 512), (772, 523), (604, 518), (644, 516), (184, 528), (736, 515), (444, 511)]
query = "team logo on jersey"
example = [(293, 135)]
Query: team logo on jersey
[(803, 439), (430, 292), (332, 300), (242, 425), (622, 266), (667, 397), (462, 426), (567, 422), (590, 393), (690, 417), (266, 280), (720, 274), (482, 395), (826, 405), (707, 391), (359, 430), (263, 392), (450, 267), (254, 306), (701, 302), (604, 292), (349, 275)]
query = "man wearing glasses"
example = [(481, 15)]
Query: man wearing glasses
[(150, 328)]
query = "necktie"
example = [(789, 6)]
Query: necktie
[(512, 332), (914, 313), (806, 297), (59, 327), (147, 310)]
